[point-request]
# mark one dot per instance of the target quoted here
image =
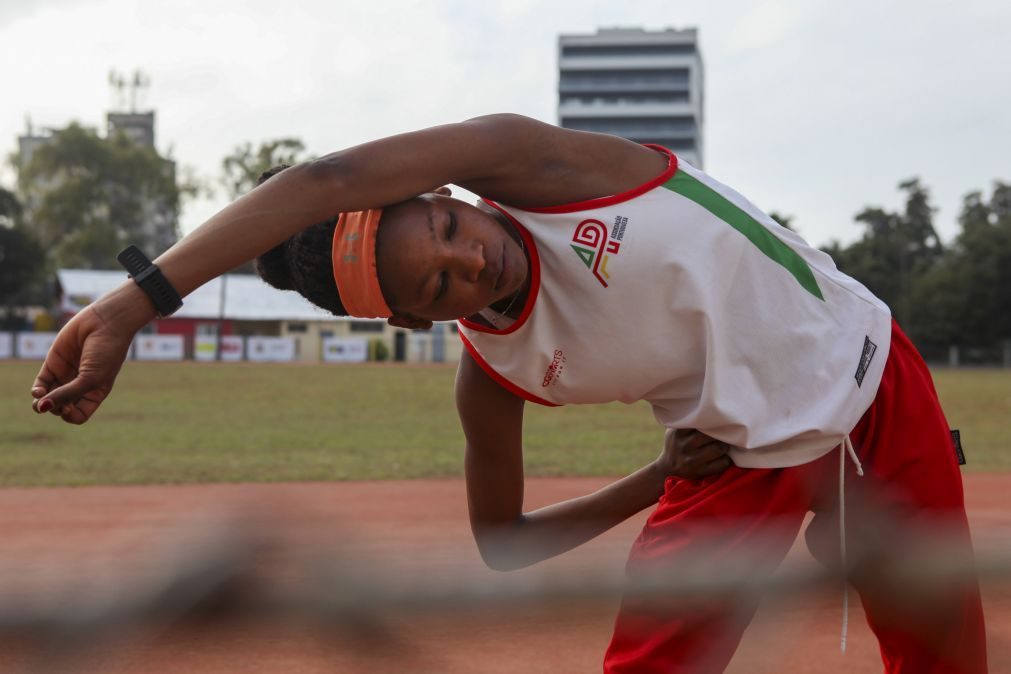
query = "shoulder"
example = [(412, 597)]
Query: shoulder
[(538, 164)]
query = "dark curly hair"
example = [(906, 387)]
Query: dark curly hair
[(302, 263)]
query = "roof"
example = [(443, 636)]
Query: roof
[(247, 298)]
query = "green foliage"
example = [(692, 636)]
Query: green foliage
[(959, 295), (244, 165), (22, 267), (89, 197), (378, 350), (10, 209), (896, 249)]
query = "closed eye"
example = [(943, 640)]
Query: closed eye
[(443, 286), (451, 228)]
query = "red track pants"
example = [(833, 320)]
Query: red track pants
[(911, 482)]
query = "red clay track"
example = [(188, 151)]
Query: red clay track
[(64, 542)]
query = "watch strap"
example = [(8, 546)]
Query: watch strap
[(151, 280)]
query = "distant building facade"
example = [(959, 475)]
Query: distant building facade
[(646, 86)]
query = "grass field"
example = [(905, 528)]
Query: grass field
[(190, 422)]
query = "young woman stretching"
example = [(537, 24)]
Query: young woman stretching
[(600, 270)]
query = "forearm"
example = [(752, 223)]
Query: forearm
[(552, 530), (256, 222)]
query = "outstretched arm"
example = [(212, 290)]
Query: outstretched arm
[(507, 537), (504, 157)]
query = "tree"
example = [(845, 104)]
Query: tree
[(975, 276), (243, 166), (10, 208), (88, 197), (895, 250), (22, 262)]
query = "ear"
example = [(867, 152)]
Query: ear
[(409, 323), (443, 191)]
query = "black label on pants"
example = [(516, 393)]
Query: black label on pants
[(956, 441)]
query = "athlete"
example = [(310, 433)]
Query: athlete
[(595, 270)]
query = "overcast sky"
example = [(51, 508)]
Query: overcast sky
[(813, 108)]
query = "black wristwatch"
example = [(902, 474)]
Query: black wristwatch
[(148, 276)]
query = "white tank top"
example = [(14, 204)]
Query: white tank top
[(684, 294)]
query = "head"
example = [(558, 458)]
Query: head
[(437, 258)]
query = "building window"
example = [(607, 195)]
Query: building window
[(628, 50), (297, 327), (207, 329), (367, 326)]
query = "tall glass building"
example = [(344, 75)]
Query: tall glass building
[(646, 86)]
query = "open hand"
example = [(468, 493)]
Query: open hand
[(693, 455)]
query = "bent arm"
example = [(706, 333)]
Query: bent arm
[(504, 157), (507, 537)]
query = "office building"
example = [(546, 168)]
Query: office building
[(646, 86)]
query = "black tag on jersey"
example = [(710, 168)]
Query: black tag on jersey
[(956, 441), (865, 360)]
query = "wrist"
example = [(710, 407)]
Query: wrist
[(126, 308), (659, 471)]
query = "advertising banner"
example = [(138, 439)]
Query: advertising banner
[(159, 347), (34, 345), (6, 345), (270, 349), (206, 348), (345, 350)]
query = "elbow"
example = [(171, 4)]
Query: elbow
[(329, 170), (499, 552), (497, 561)]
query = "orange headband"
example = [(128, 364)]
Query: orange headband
[(354, 264)]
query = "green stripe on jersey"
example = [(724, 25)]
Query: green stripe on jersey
[(714, 202)]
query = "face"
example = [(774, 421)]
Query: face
[(441, 259)]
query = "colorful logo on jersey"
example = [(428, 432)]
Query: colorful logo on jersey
[(595, 248)]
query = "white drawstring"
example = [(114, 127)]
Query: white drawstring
[(845, 448)]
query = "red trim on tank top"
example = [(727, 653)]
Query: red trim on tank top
[(535, 280), (499, 379), (600, 202)]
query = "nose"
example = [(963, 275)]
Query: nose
[(471, 261)]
